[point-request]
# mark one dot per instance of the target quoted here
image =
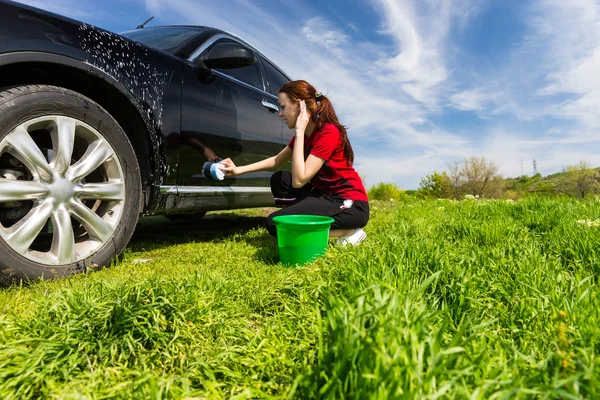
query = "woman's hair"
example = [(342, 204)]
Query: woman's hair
[(320, 108)]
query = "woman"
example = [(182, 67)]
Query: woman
[(322, 181)]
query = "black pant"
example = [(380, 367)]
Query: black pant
[(307, 200)]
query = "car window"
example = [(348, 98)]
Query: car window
[(250, 74), (274, 79)]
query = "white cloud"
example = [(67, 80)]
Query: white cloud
[(418, 65), (381, 96), (543, 100), (155, 6), (375, 109), (552, 72), (508, 147), (470, 100), (401, 171), (320, 32), (570, 34), (540, 101)]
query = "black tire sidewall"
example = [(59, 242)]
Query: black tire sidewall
[(26, 103)]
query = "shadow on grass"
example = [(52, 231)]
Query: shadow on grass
[(156, 232), (266, 246), (213, 227)]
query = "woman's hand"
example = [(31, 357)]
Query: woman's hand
[(303, 119), (228, 167)]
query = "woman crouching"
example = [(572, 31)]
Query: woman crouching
[(323, 180)]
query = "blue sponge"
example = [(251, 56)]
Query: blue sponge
[(211, 170)]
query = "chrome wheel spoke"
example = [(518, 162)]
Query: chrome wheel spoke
[(63, 241), (63, 140), (95, 226), (96, 154), (28, 152), (103, 191), (23, 233), (59, 191), (13, 190)]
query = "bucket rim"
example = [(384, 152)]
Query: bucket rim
[(289, 220)]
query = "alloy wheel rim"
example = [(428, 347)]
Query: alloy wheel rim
[(73, 190)]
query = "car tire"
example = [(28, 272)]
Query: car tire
[(70, 184)]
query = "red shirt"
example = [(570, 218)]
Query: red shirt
[(337, 176)]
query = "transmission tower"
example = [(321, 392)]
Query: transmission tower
[(534, 166)]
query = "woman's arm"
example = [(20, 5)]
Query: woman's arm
[(303, 171), (269, 163)]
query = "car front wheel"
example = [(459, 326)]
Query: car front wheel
[(70, 184)]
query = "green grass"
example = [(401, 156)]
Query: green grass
[(445, 299)]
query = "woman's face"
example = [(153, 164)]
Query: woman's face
[(288, 110)]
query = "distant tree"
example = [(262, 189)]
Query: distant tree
[(495, 188), (479, 175), (455, 179), (385, 191), (530, 179), (544, 188), (580, 180), (436, 185), (476, 176)]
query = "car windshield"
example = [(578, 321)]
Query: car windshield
[(166, 39)]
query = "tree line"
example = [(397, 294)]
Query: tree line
[(480, 178)]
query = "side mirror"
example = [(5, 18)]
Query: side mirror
[(229, 55)]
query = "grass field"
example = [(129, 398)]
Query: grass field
[(444, 299)]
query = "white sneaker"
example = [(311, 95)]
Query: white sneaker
[(358, 236)]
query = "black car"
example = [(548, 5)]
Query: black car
[(98, 128)]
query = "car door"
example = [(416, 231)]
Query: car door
[(227, 116), (274, 80)]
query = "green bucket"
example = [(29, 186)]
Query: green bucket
[(301, 238)]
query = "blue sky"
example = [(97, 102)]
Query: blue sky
[(421, 84)]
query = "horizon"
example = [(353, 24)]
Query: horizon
[(420, 84)]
